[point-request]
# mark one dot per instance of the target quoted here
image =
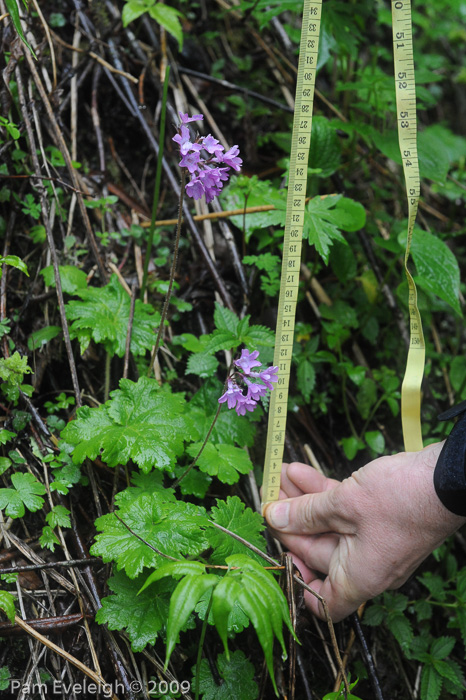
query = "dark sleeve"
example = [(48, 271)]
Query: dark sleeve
[(450, 470)]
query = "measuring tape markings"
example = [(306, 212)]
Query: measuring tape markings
[(294, 224), (405, 87)]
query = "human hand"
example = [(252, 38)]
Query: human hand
[(367, 533)]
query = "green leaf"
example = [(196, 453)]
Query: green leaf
[(203, 364), (340, 694), (306, 378), (237, 678), (253, 605), (433, 156), (265, 261), (221, 340), (72, 278), (374, 615), (237, 620), (233, 515), (151, 484), (451, 670), (264, 603), (431, 683), (6, 436), (366, 397), (167, 17), (103, 315), (325, 149), (174, 568), (225, 319), (141, 422), (42, 336), (442, 647), (182, 604), (259, 335), (48, 538), (325, 218), (131, 11), (142, 614), (30, 490), (435, 585), (13, 369), (423, 610), (27, 492), (7, 604), (226, 462), (444, 669), (224, 598), (12, 7), (401, 629), (58, 516), (245, 192), (172, 528), (14, 261), (437, 267), (351, 446), (5, 678), (375, 440), (5, 463), (195, 483)]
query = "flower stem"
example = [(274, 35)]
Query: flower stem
[(209, 432), (186, 472), (172, 273), (158, 176)]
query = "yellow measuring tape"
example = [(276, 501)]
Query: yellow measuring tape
[(294, 223), (406, 114)]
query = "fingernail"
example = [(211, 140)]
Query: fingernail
[(278, 515)]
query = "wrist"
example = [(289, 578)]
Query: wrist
[(450, 470)]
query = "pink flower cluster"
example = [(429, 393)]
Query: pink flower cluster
[(202, 157), (234, 395)]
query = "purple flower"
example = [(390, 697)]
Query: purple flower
[(245, 404), (195, 188), (230, 158), (207, 180), (185, 118), (232, 395), (212, 145), (269, 375), (190, 161), (248, 360), (255, 391), (183, 139)]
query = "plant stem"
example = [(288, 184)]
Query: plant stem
[(172, 272), (209, 432), (158, 176), (185, 473), (201, 644)]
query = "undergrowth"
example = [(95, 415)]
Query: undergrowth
[(116, 453)]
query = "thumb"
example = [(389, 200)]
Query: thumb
[(310, 514)]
